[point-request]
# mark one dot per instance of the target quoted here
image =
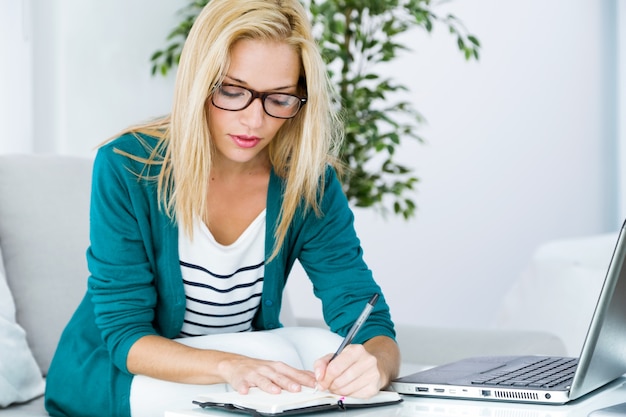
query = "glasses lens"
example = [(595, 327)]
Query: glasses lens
[(281, 105), (230, 97)]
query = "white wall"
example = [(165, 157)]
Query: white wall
[(92, 70), (521, 146), (16, 121), (520, 150)]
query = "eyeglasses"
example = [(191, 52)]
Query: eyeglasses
[(234, 98)]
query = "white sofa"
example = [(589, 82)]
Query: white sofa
[(559, 288), (44, 216)]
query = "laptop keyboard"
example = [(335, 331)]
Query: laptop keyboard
[(544, 373)]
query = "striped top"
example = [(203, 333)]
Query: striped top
[(223, 284)]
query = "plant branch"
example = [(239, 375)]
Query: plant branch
[(354, 37)]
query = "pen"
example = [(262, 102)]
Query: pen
[(357, 325), (355, 328)]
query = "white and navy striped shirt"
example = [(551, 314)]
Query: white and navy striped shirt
[(223, 284)]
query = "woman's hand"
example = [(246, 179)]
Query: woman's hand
[(242, 373), (354, 372), (359, 370)]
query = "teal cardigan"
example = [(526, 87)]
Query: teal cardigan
[(135, 284)]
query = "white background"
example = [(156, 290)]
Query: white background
[(522, 147)]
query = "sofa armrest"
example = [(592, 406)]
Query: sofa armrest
[(558, 291), (436, 346), (426, 346)]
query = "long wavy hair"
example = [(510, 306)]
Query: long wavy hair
[(301, 150)]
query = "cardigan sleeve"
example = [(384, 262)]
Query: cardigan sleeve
[(332, 257), (121, 282)]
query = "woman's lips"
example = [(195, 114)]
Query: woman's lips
[(245, 141)]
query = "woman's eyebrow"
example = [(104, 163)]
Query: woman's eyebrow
[(242, 82)]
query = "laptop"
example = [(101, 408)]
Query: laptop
[(541, 379)]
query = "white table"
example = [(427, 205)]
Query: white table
[(611, 394)]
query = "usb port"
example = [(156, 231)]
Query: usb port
[(440, 390), (485, 393), (422, 389)]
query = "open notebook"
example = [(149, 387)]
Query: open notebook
[(536, 378), (258, 402)]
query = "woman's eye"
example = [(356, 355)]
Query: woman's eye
[(281, 100), (232, 92)]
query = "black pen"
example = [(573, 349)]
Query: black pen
[(357, 325)]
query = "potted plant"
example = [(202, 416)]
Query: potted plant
[(355, 37)]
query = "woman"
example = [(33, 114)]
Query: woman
[(230, 189)]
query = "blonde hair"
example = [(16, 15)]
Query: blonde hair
[(301, 150)]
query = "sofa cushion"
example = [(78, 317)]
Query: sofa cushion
[(20, 377), (558, 291), (44, 233)]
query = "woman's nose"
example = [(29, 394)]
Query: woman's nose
[(253, 115)]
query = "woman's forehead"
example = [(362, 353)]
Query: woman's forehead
[(264, 64)]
